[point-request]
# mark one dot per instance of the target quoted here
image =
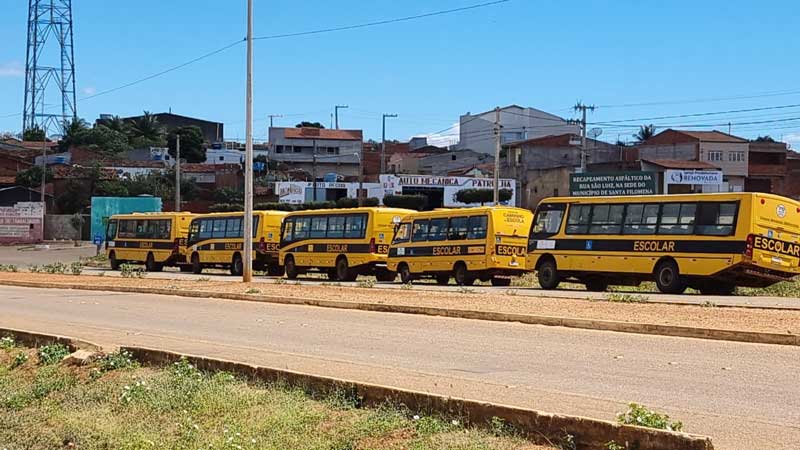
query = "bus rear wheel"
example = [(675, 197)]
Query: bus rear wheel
[(291, 268), (668, 278), (344, 272), (405, 273), (151, 265), (462, 275), (113, 261), (548, 275), (197, 268), (237, 266)]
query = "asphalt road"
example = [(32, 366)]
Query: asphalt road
[(743, 395)]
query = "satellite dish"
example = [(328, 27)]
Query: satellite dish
[(595, 132)]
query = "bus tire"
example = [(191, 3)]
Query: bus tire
[(291, 268), (405, 273), (595, 284), (343, 271), (668, 277), (151, 265), (237, 265), (197, 268), (462, 275), (443, 279), (113, 261), (502, 282), (548, 275), (385, 275)]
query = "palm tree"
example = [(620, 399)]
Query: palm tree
[(117, 124), (74, 127), (147, 128), (645, 132)]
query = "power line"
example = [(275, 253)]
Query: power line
[(382, 22), (702, 100), (733, 111)]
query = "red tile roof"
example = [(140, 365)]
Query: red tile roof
[(321, 133), (670, 136), (680, 164)]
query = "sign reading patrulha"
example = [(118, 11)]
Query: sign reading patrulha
[(608, 184)]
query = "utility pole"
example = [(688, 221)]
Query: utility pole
[(177, 172), (497, 156), (336, 113), (273, 116), (361, 176), (44, 168), (383, 143), (314, 173), (583, 108), (247, 250)]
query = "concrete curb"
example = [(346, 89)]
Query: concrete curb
[(35, 340), (754, 337), (589, 434)]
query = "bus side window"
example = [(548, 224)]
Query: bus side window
[(477, 226), (336, 227), (677, 218), (548, 219), (354, 227), (233, 229), (420, 232), (438, 230), (194, 231), (578, 219), (319, 225), (301, 227), (606, 219), (288, 230), (205, 229), (218, 229), (715, 219), (111, 230), (640, 219), (458, 229), (403, 233)]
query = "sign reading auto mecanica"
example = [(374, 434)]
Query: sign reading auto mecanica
[(609, 184)]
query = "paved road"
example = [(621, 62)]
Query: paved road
[(24, 256), (744, 395), (697, 299)]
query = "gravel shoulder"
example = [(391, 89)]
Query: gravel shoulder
[(771, 321)]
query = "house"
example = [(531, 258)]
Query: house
[(213, 177), (212, 131), (543, 166), (726, 152), (443, 163), (318, 151), (767, 168), (476, 132)]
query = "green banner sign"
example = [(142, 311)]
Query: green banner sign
[(598, 184)]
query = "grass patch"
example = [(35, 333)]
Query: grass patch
[(180, 407), (619, 297), (641, 416), (782, 289)]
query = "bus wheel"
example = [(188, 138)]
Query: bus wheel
[(548, 275), (443, 279), (668, 278), (291, 269), (343, 271), (113, 261), (462, 275), (197, 268), (503, 282), (596, 284), (237, 266), (150, 264), (385, 275), (405, 273)]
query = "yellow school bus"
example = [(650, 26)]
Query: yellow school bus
[(155, 239), (709, 242), (485, 243), (343, 243), (216, 240)]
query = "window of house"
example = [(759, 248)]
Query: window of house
[(222, 158), (477, 227), (420, 231), (677, 218), (714, 155), (438, 230), (716, 219), (458, 229), (278, 149), (606, 219), (296, 149), (578, 219), (640, 219)]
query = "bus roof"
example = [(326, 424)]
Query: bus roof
[(153, 215), (376, 209), (241, 213), (468, 210), (668, 198)]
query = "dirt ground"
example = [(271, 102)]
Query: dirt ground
[(773, 321)]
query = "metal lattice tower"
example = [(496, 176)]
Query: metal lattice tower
[(50, 65)]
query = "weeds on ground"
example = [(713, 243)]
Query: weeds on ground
[(782, 289), (366, 283), (619, 297), (53, 268), (8, 268), (406, 286), (132, 271), (511, 292), (252, 291), (708, 304), (122, 359), (641, 416), (53, 353), (612, 445), (203, 279), (19, 359), (76, 267), (7, 342), (465, 290), (280, 281)]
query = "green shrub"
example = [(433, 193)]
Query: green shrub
[(8, 268), (366, 283), (7, 342), (416, 202), (76, 268), (118, 360), (20, 359), (53, 353), (481, 195), (626, 298), (131, 271), (643, 417)]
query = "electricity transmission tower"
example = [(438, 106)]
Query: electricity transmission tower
[(49, 66)]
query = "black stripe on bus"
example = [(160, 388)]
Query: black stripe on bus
[(331, 248), (270, 247), (440, 250), (644, 245), (143, 245)]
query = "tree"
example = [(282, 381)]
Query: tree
[(146, 131), (74, 198), (229, 195), (34, 134), (116, 123), (111, 188), (101, 139), (416, 202), (192, 149), (305, 124), (32, 178), (766, 138), (481, 196), (72, 129), (645, 132)]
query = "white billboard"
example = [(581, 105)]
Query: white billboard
[(394, 184), (700, 177)]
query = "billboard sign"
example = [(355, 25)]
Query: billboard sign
[(701, 177), (609, 184)]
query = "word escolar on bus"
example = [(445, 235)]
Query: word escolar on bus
[(654, 246)]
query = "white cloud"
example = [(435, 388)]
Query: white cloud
[(89, 90), (445, 137), (12, 69)]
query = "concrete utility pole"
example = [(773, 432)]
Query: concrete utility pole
[(44, 168), (247, 251), (314, 173), (383, 143), (177, 173), (583, 108), (336, 113), (497, 156)]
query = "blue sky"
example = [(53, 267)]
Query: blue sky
[(684, 56)]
